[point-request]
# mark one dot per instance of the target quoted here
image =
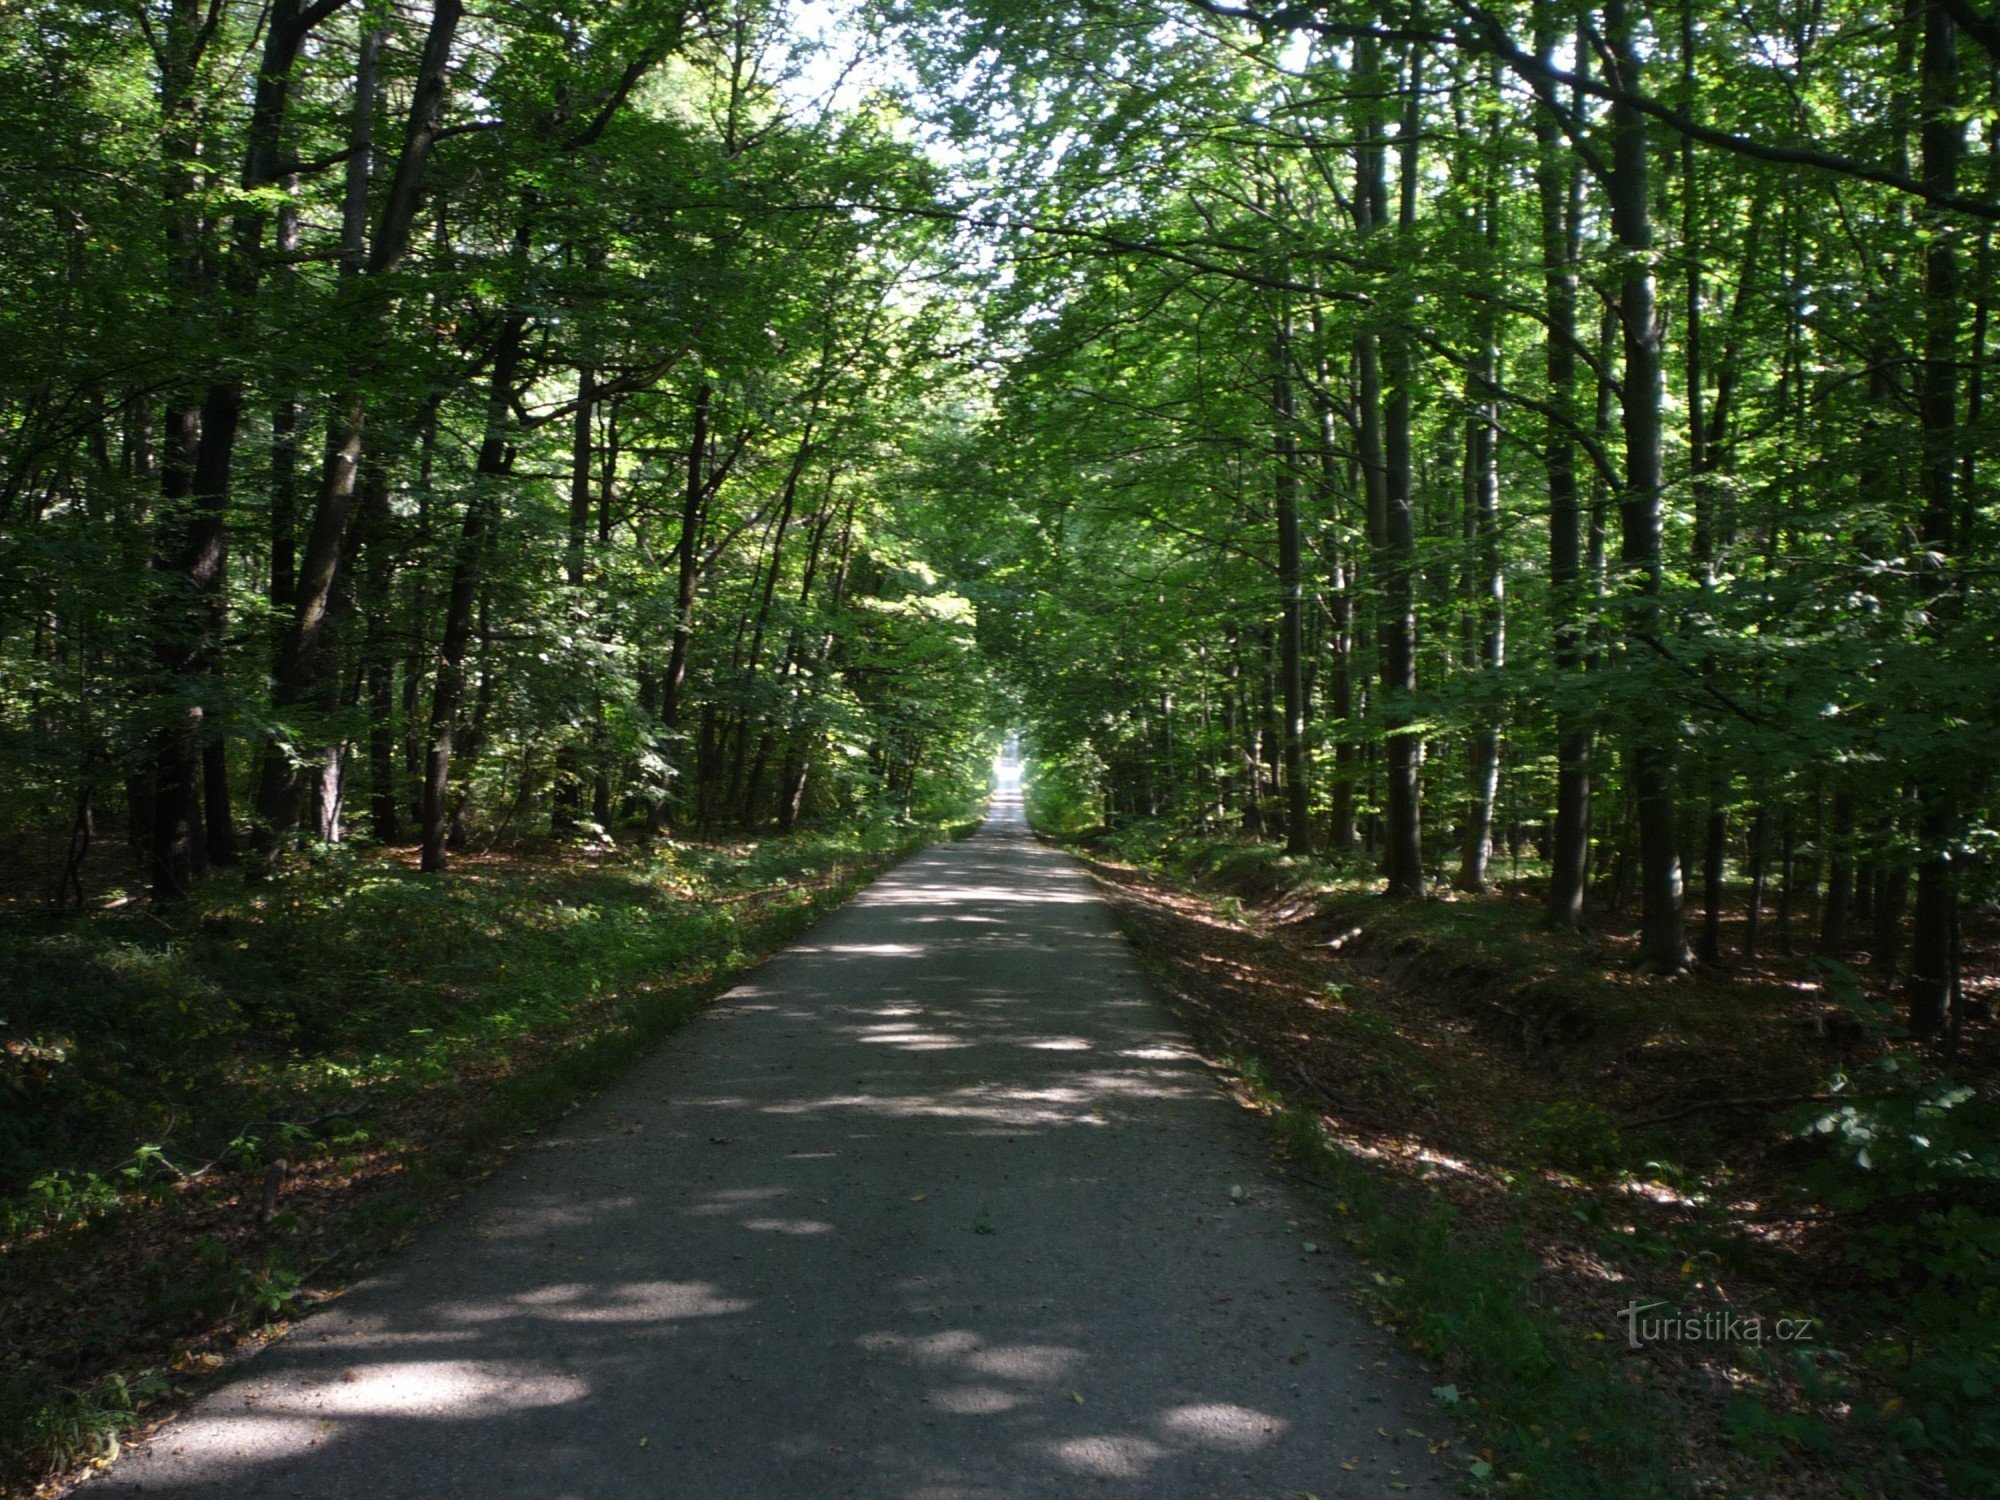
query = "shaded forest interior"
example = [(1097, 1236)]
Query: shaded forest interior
[(576, 487)]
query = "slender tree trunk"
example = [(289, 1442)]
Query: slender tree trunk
[(1933, 958), (1340, 620), (1556, 187), (1386, 408), (468, 576), (600, 782), (1760, 859), (740, 796), (1839, 878), (1291, 585), (298, 665), (1662, 937), (188, 538), (1715, 844), (1489, 579), (1892, 895), (687, 563), (792, 689), (799, 763), (378, 653), (567, 800)]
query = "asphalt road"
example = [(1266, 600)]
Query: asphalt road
[(939, 1205)]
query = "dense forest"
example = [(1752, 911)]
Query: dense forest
[(1541, 448), (1554, 427), (418, 423)]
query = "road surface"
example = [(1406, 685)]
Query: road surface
[(938, 1205)]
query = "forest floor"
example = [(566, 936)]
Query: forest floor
[(1528, 1138), (214, 1118)]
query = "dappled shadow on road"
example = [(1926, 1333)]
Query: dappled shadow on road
[(934, 1208)]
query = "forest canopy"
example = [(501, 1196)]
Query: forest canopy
[(1397, 429)]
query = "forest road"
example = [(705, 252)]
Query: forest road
[(938, 1205)]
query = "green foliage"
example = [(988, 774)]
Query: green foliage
[(1575, 1134), (1919, 1171), (226, 1037), (52, 1430), (659, 224), (1065, 794)]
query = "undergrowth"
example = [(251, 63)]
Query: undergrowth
[(1887, 1152), (366, 1037), (1555, 1417)]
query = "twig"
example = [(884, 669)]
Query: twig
[(1337, 1102), (770, 890), (1762, 1101), (317, 1120)]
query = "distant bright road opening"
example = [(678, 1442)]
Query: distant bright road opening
[(1007, 769)]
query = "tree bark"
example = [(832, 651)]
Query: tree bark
[(687, 565), (1933, 958), (1488, 578), (1662, 935), (1291, 585), (298, 664), (798, 765), (379, 654), (468, 576), (567, 798), (1556, 185), (1383, 435)]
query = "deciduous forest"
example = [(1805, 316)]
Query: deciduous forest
[(1481, 518)]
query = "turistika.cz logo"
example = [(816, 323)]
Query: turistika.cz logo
[(1644, 1326)]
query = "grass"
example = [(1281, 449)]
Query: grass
[(1555, 1418), (218, 1113)]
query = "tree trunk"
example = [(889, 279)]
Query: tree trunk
[(1662, 937), (188, 539), (298, 664), (741, 794), (1933, 957), (798, 764), (1291, 585), (1385, 378), (378, 654), (1556, 186), (1489, 580), (1340, 634), (687, 562), (468, 576), (1839, 878), (1760, 860), (567, 798)]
